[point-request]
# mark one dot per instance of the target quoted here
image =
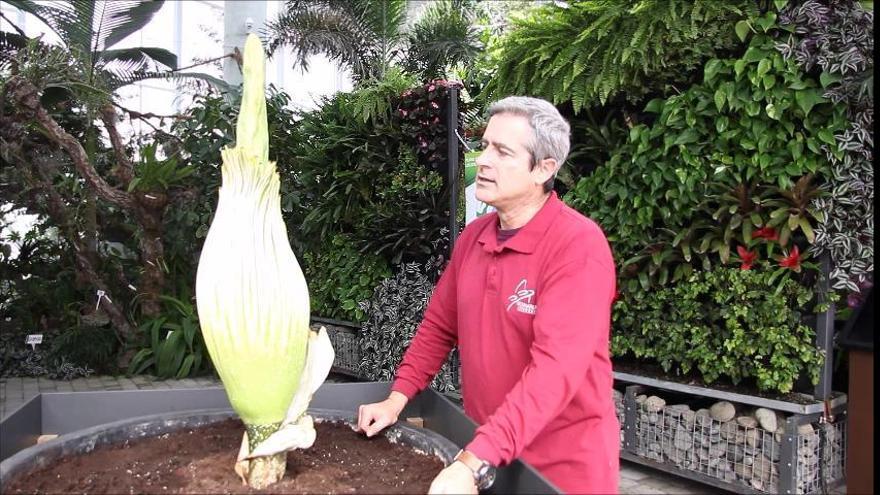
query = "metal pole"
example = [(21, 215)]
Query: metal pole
[(825, 331), (452, 140)]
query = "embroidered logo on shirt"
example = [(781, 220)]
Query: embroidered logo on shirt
[(522, 299)]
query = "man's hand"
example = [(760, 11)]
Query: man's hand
[(456, 478), (375, 417)]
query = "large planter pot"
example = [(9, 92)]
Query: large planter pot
[(67, 414), (126, 431)]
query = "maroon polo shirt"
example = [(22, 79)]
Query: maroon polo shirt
[(531, 318)]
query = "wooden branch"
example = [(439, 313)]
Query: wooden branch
[(124, 169), (25, 95), (61, 216)]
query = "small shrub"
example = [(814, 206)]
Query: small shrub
[(722, 323), (835, 39), (175, 347), (339, 278), (756, 119), (394, 312)]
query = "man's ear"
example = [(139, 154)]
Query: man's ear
[(545, 170)]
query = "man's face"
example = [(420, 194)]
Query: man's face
[(503, 175)]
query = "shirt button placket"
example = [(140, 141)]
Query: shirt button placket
[(492, 282)]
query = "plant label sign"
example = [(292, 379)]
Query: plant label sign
[(34, 339)]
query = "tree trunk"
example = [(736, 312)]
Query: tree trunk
[(149, 213), (146, 208)]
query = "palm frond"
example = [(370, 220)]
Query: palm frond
[(317, 31), (122, 73), (82, 33), (10, 44), (60, 17), (444, 36), (143, 56), (126, 18), (384, 19)]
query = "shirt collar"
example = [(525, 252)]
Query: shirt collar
[(529, 235)]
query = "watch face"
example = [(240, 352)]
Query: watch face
[(487, 477)]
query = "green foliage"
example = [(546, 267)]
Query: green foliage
[(339, 277), (394, 311), (374, 101), (757, 120), (194, 143), (370, 38), (175, 348), (88, 346), (422, 116), (722, 323), (36, 282), (599, 50), (445, 36), (153, 174), (362, 179), (836, 42), (596, 132)]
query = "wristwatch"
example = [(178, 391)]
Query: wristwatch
[(484, 473)]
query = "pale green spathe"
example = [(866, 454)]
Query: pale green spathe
[(252, 298)]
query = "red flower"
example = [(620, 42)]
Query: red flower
[(793, 260), (747, 257), (768, 233)]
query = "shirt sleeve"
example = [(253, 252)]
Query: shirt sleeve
[(573, 320), (433, 340)]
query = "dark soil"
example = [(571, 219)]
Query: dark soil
[(200, 460)]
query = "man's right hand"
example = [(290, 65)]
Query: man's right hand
[(375, 417)]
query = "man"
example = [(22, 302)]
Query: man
[(527, 299)]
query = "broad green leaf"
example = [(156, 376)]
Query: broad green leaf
[(655, 105), (742, 30), (764, 67), (767, 21), (826, 136), (808, 230), (687, 137), (806, 99), (711, 70), (719, 99), (755, 54), (826, 79)]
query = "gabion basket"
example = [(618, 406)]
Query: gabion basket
[(741, 451), (343, 336)]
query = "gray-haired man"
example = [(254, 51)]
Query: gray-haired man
[(527, 299)]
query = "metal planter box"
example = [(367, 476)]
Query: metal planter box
[(61, 413)]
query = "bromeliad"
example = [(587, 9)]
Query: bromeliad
[(253, 301)]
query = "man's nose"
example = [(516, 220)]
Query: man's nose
[(482, 161)]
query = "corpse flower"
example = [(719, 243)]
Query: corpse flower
[(253, 301)]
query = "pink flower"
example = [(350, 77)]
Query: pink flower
[(434, 104), (768, 233), (748, 257), (792, 260)]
